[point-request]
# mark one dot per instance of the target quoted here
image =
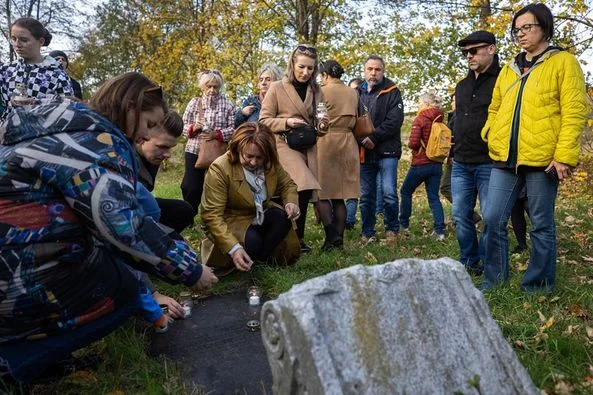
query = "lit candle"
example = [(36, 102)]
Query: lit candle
[(254, 300), (254, 296)]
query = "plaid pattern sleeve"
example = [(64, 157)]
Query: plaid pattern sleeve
[(190, 116)]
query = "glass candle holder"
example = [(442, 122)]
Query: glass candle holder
[(186, 302), (254, 295)]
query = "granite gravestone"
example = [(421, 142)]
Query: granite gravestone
[(405, 327)]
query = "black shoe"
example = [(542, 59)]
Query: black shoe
[(337, 242), (519, 249), (305, 249), (349, 226), (475, 271)]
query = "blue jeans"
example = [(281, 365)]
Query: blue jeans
[(541, 196), (368, 195), (469, 181), (351, 206), (430, 175), (379, 209), (28, 359)]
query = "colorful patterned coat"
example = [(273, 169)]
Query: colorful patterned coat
[(69, 221)]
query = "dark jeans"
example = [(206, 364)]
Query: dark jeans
[(192, 184), (430, 175), (29, 359), (262, 240), (446, 181), (176, 214)]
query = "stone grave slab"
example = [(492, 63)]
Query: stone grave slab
[(406, 327), (215, 350)]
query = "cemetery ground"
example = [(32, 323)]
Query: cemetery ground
[(551, 334)]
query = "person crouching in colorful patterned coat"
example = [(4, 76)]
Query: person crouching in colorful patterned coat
[(32, 76), (70, 224)]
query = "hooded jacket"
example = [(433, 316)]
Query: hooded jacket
[(42, 80), (546, 110), (386, 109), (70, 220)]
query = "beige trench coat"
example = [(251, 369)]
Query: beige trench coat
[(282, 102), (338, 165), (228, 208)]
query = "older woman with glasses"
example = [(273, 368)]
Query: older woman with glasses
[(251, 106), (211, 116), (533, 130), (290, 104), (244, 225)]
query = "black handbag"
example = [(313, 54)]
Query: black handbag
[(301, 138)]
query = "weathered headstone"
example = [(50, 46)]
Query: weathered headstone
[(405, 327)]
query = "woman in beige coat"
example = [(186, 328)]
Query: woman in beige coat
[(337, 154), (291, 103), (242, 222)]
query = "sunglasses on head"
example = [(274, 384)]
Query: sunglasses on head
[(304, 48), (157, 89), (473, 50)]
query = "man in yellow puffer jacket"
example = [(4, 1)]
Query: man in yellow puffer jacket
[(535, 120)]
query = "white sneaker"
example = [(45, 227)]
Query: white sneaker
[(438, 236)]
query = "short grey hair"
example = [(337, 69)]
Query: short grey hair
[(431, 99), (271, 68)]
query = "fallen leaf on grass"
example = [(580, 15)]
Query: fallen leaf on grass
[(539, 337), (578, 311), (571, 329), (547, 325), (523, 266), (526, 305), (519, 344), (587, 258), (569, 219), (589, 331), (370, 258), (555, 299), (542, 317), (563, 388)]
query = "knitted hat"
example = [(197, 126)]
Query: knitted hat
[(57, 53)]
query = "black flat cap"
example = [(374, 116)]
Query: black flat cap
[(479, 37)]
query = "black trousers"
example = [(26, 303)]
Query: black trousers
[(192, 184), (176, 214), (262, 240)]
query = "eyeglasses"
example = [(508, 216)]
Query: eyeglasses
[(523, 29), (474, 50), (304, 48)]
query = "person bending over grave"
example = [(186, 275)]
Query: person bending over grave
[(243, 219), (70, 224)]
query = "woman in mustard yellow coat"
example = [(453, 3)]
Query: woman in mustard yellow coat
[(242, 222), (533, 130)]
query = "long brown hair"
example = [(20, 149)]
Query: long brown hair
[(258, 134), (127, 91)]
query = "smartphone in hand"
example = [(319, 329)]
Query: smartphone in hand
[(552, 173)]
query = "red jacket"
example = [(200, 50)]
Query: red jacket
[(421, 130)]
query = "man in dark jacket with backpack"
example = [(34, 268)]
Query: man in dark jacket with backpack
[(381, 151), (472, 165)]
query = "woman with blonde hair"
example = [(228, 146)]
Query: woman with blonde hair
[(337, 154), (423, 170), (251, 106), (290, 105), (242, 222), (211, 116)]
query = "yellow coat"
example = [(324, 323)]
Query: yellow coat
[(228, 208), (552, 115)]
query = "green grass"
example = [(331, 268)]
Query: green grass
[(558, 355)]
